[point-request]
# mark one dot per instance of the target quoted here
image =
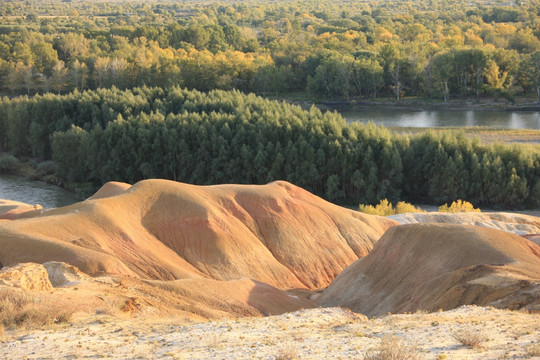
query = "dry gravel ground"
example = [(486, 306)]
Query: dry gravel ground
[(323, 333)]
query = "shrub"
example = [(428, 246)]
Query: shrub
[(385, 208), (470, 338), (53, 179), (18, 309), (393, 348), (46, 168), (458, 206), (403, 207), (8, 163)]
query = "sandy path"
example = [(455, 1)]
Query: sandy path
[(330, 333)]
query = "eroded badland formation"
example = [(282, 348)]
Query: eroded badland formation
[(140, 269)]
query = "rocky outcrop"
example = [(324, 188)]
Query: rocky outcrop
[(63, 275), (29, 276)]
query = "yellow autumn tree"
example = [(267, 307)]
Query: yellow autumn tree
[(458, 206)]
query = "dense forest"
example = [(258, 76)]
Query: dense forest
[(231, 137), (131, 90), (327, 50)]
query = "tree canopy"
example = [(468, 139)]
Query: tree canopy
[(327, 49), (230, 137)]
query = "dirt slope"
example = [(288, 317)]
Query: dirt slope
[(277, 233), (535, 238), (440, 266)]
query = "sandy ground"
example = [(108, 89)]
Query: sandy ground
[(323, 333)]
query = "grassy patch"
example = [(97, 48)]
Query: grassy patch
[(19, 309)]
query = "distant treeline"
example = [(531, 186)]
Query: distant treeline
[(230, 137), (326, 49)]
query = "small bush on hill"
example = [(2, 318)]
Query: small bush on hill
[(393, 348), (385, 208), (470, 338), (458, 206)]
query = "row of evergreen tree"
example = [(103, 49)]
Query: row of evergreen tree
[(230, 137)]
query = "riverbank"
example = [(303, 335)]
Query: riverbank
[(412, 104), (434, 114), (34, 192), (429, 104), (34, 181)]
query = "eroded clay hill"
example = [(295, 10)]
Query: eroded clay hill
[(440, 266), (520, 224), (278, 234)]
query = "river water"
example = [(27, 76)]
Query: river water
[(34, 192), (445, 118)]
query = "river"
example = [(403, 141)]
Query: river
[(445, 118), (34, 192)]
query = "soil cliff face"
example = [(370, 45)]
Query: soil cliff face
[(440, 266), (277, 233)]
